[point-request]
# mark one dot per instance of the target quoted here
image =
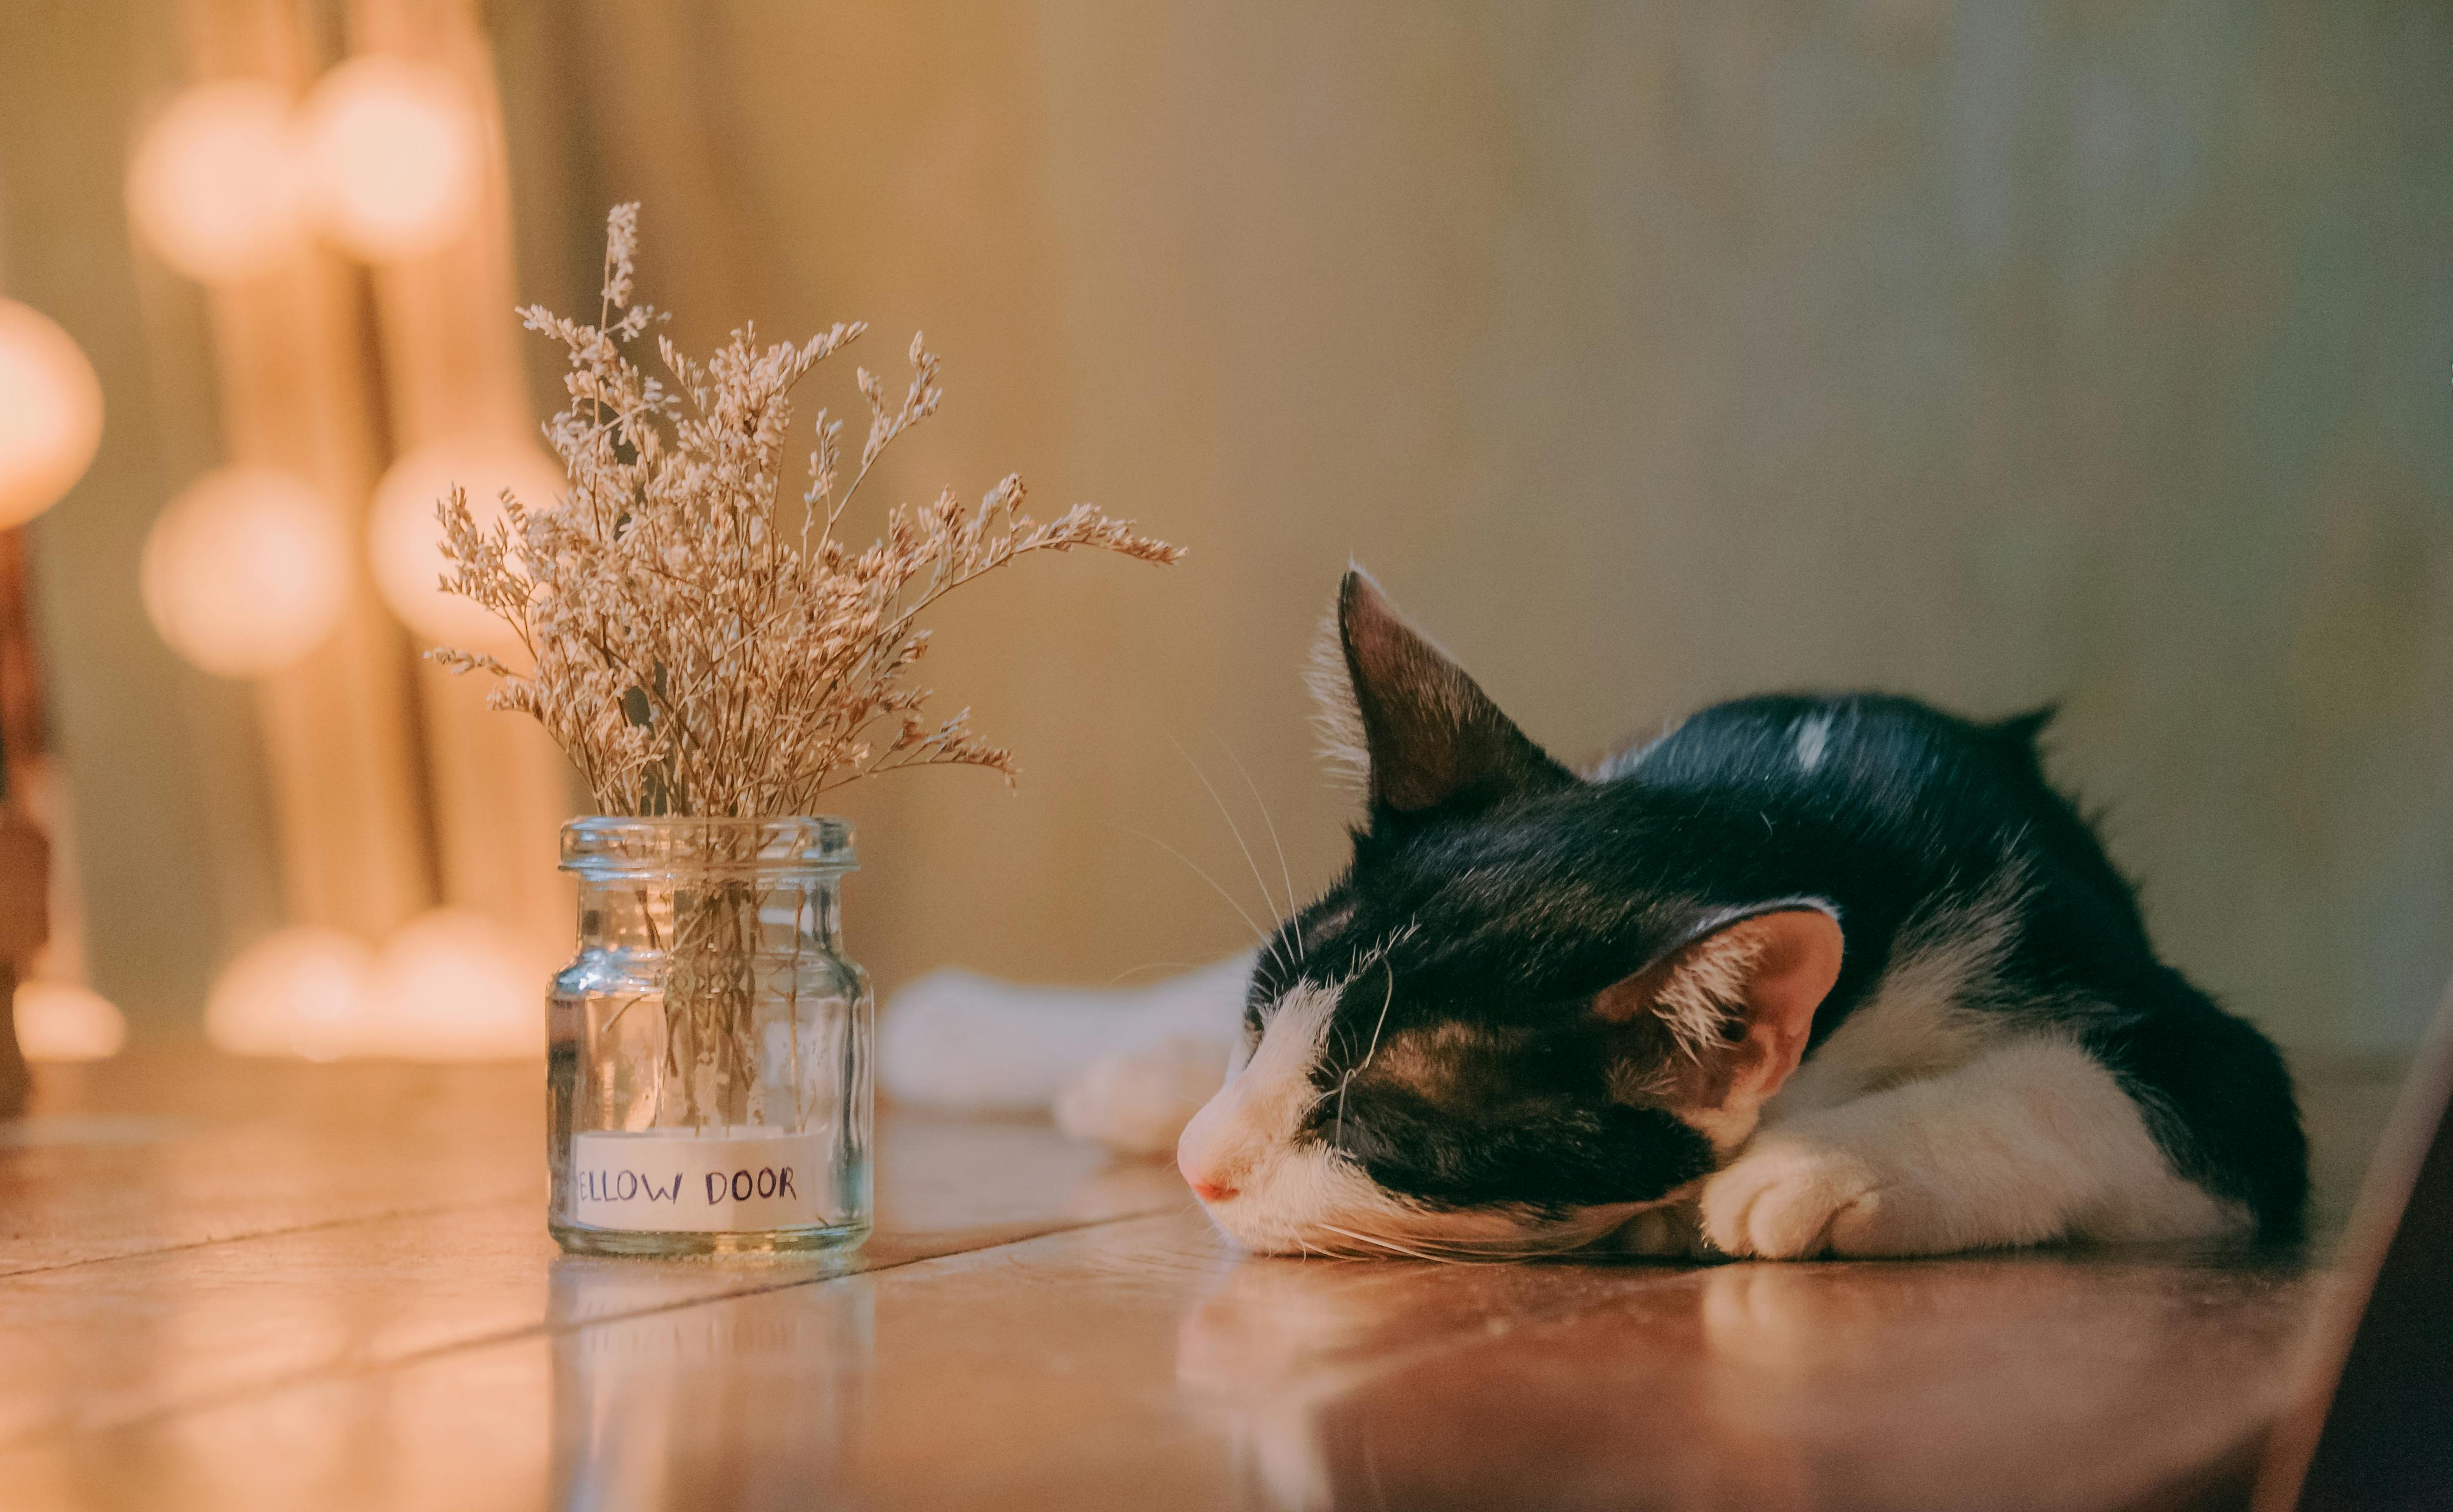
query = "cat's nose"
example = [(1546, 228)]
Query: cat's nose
[(1207, 1152), (1202, 1187)]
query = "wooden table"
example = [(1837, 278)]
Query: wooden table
[(255, 1285)]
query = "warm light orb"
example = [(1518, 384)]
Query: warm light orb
[(246, 571), (307, 992), (405, 540), (51, 414), (60, 1021), (395, 157), (455, 986), (215, 186)]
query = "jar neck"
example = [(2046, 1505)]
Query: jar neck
[(825, 914), (779, 913)]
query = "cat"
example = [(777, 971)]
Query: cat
[(1805, 976)]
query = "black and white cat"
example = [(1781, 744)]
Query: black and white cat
[(1804, 976)]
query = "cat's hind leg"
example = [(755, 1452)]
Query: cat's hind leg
[(2030, 1142), (1126, 1066), (1138, 1100)]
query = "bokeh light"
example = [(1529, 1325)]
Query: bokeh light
[(51, 414), (215, 188), (307, 992), (455, 986), (246, 571), (60, 1021), (403, 538), (394, 155)]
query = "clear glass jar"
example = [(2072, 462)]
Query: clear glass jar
[(708, 1073)]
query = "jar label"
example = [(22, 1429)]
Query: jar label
[(739, 1180)]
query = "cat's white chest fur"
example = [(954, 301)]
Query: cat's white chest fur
[(2030, 1142), (1921, 1126)]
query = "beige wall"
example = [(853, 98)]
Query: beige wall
[(1650, 353)]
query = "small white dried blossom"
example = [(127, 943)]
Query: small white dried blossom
[(692, 655)]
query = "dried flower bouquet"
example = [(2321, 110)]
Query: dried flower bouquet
[(695, 652), (701, 645)]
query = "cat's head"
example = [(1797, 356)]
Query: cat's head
[(1532, 1007)]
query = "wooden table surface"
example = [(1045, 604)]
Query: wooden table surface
[(258, 1286)]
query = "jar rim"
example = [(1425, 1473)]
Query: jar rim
[(664, 845)]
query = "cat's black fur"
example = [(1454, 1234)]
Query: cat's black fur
[(1490, 907)]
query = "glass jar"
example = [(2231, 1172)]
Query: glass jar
[(709, 1076)]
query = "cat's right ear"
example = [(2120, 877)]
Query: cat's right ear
[(1729, 1013), (1399, 712)]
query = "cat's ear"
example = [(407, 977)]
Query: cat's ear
[(1730, 1012), (1421, 733)]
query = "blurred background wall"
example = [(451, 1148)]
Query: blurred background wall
[(1650, 353)]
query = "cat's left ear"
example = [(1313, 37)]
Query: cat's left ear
[(1423, 734), (1733, 1008)]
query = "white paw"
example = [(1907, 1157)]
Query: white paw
[(1791, 1199), (1138, 1100), (1670, 1231)]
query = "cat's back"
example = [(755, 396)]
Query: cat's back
[(1874, 750), (1896, 781)]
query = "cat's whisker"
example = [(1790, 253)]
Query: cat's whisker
[(1518, 1247), (1259, 936), (1234, 829), (1285, 873), (1155, 965), (1273, 948), (1450, 1252), (1347, 1079), (1563, 1237), (1382, 1020), (1377, 1242)]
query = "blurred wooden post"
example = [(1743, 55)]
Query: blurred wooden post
[(416, 758), (452, 368), (25, 859), (25, 889), (338, 727)]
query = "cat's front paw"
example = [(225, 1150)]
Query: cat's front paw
[(1788, 1198), (1670, 1231), (1138, 1100)]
